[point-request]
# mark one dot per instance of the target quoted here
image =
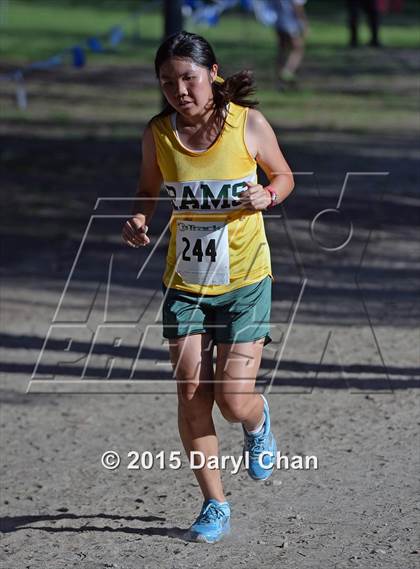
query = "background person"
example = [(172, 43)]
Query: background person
[(370, 7), (291, 29)]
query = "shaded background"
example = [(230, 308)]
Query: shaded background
[(348, 339)]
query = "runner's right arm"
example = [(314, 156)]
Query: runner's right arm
[(150, 180)]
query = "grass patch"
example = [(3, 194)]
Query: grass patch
[(360, 89)]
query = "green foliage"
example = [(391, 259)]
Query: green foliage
[(38, 29), (340, 88)]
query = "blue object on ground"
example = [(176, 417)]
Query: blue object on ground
[(79, 57), (95, 45)]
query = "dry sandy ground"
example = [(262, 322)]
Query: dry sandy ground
[(61, 508), (345, 334)]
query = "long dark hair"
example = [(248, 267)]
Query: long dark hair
[(236, 88)]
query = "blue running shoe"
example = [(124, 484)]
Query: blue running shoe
[(254, 445), (212, 524)]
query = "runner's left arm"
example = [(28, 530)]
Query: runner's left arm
[(262, 143)]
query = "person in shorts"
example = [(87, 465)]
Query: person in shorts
[(291, 28), (204, 148)]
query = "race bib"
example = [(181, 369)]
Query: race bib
[(202, 251)]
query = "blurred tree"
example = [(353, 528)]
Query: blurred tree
[(173, 17)]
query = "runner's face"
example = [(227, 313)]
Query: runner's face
[(186, 85)]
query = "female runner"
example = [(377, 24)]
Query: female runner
[(204, 148)]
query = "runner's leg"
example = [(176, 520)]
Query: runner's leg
[(192, 359), (236, 371)]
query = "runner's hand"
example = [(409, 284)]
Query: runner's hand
[(255, 198), (134, 231)]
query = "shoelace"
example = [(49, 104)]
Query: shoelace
[(255, 445), (210, 514)]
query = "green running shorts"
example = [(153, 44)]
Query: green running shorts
[(241, 315)]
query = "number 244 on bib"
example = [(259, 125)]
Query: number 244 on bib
[(202, 251)]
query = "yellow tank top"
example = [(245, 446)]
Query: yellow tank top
[(215, 245)]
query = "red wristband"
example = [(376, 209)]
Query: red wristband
[(274, 196)]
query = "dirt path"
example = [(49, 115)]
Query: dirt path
[(345, 331)]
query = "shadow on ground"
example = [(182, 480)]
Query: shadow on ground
[(16, 523)]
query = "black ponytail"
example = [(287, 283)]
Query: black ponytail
[(236, 88)]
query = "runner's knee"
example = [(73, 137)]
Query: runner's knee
[(232, 406), (187, 390), (194, 402)]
